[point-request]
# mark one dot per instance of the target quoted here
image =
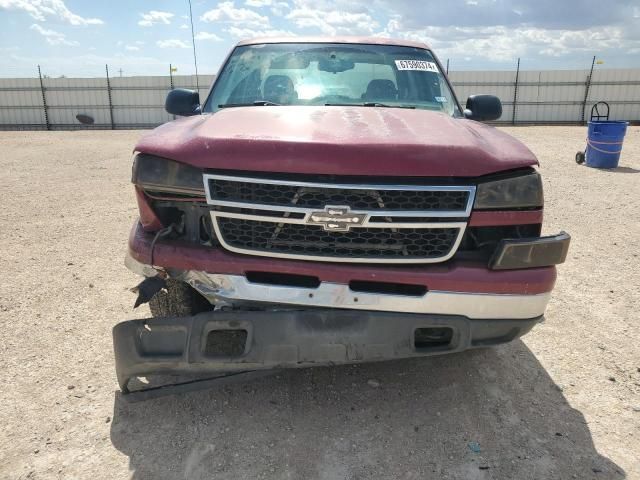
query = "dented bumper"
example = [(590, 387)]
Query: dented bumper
[(238, 291), (216, 342)]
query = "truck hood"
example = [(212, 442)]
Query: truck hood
[(339, 141)]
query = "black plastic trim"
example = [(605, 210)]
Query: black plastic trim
[(518, 253), (295, 338)]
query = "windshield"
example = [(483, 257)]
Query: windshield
[(332, 74)]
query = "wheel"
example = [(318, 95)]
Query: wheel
[(580, 158), (178, 300)]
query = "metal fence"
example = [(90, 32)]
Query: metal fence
[(555, 96), (112, 103), (528, 97)]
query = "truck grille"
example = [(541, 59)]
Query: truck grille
[(339, 222), (373, 243)]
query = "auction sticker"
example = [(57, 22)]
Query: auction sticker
[(419, 65)]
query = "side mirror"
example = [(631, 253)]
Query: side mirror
[(183, 102), (483, 107)]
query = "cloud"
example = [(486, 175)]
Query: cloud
[(228, 13), (172, 43), (502, 44), (42, 9), (154, 17), (512, 29), (246, 33), (545, 14), (208, 36), (52, 37), (486, 34), (333, 22), (277, 7)]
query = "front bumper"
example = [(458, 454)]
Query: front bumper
[(238, 291), (329, 323), (277, 339)]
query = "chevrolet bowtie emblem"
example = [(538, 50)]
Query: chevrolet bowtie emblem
[(336, 219)]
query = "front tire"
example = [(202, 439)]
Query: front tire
[(580, 158), (178, 300)]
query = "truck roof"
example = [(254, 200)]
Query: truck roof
[(338, 39)]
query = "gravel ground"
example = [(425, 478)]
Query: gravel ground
[(562, 403)]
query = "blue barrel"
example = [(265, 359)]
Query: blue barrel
[(604, 143)]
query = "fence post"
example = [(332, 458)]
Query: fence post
[(515, 94), (44, 100), (113, 125), (447, 66), (171, 82), (586, 91)]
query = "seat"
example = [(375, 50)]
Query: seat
[(380, 89), (279, 89)]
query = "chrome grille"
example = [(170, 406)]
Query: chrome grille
[(415, 243), (319, 197), (342, 222)]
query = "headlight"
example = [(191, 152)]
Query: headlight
[(517, 192), (163, 175)]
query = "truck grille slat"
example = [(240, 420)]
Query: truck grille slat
[(316, 197), (338, 222)]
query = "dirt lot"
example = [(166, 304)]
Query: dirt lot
[(562, 403)]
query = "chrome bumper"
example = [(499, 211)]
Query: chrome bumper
[(221, 289)]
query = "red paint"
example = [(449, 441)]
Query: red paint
[(452, 276), (340, 39), (339, 141), (148, 218), (504, 217)]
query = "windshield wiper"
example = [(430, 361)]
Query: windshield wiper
[(377, 104), (257, 103), (368, 104)]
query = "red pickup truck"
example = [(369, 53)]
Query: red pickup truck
[(331, 202)]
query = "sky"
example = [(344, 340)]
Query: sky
[(142, 37)]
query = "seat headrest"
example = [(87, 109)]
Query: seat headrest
[(278, 84), (381, 89)]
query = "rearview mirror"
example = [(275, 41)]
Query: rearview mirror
[(335, 65), (183, 102), (483, 107)]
